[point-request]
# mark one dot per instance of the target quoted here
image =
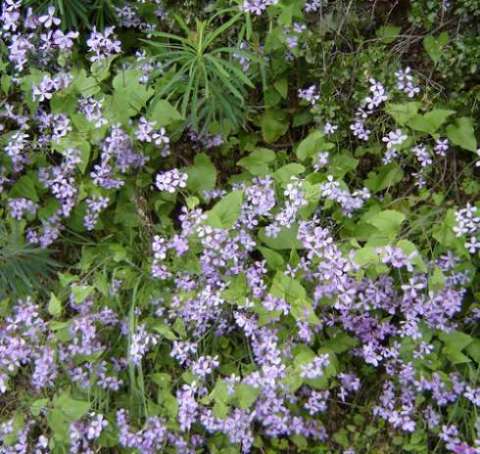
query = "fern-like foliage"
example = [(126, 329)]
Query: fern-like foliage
[(79, 14), (24, 269), (202, 76)]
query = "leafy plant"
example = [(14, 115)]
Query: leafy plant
[(77, 14), (23, 268), (202, 74)]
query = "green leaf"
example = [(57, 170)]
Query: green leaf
[(313, 144), (388, 33), (341, 343), (287, 288), (129, 95), (437, 280), (455, 340), (38, 405), (341, 164), (54, 306), (431, 121), (84, 85), (286, 239), (281, 85), (101, 69), (257, 162), (274, 259), (302, 310), (274, 125), (66, 410), (246, 395), (284, 174), (165, 331), (462, 134), (226, 212), (72, 409), (25, 187), (473, 350), (403, 112), (386, 177), (202, 176), (164, 114), (454, 343), (387, 222), (81, 292), (367, 255), (434, 46)]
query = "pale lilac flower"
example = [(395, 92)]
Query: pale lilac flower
[(19, 207), (49, 19), (329, 128), (257, 7), (103, 45), (310, 94), (441, 147), (171, 181), (394, 138), (312, 6), (405, 82)]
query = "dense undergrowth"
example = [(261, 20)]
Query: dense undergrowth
[(239, 226)]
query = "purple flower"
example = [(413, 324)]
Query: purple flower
[(171, 180), (103, 45)]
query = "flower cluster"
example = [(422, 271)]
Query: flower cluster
[(257, 7), (171, 180)]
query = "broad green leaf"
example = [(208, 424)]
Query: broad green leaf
[(388, 33), (367, 255), (462, 133), (164, 330), (387, 222), (237, 289), (284, 174), (163, 113), (436, 281), (341, 164), (313, 144), (341, 343), (287, 288), (226, 212), (281, 85), (25, 187), (431, 121), (81, 292), (274, 259), (246, 395), (38, 406), (101, 69), (386, 177), (455, 340), (84, 85), (473, 350), (73, 409), (202, 175), (274, 125), (302, 310), (286, 239), (434, 46), (129, 95), (54, 306), (403, 112), (257, 162)]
